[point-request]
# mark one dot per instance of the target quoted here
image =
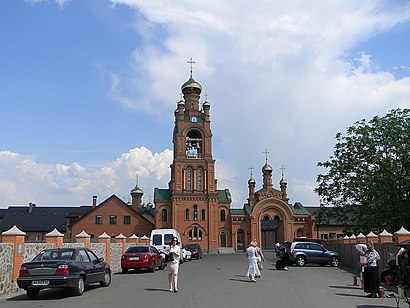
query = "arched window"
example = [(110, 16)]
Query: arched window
[(189, 179), (203, 214), (195, 212), (187, 214), (200, 188), (223, 215), (195, 234), (164, 215)]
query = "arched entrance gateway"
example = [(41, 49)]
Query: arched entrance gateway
[(268, 217)]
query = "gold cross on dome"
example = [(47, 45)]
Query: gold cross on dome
[(266, 154), (283, 171), (251, 168), (190, 62)]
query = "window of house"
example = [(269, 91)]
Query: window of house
[(200, 179), (189, 179), (223, 215), (113, 220), (195, 212), (98, 220), (195, 234), (164, 215), (203, 214), (38, 238), (186, 214), (127, 220)]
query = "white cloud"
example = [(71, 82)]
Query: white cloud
[(23, 180)]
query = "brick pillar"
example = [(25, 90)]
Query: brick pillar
[(385, 237), (106, 239), (361, 238), (144, 240), (16, 237), (84, 238), (55, 237), (372, 238), (122, 240), (134, 239), (401, 235)]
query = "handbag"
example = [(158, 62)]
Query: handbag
[(169, 257)]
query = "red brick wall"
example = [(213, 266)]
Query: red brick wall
[(113, 206)]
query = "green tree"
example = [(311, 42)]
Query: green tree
[(369, 172)]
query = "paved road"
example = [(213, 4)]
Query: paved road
[(217, 281)]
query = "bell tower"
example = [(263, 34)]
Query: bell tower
[(192, 170), (192, 204)]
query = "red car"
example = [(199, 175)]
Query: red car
[(137, 257)]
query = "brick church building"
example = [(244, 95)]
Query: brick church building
[(200, 211)]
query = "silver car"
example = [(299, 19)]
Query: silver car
[(310, 252)]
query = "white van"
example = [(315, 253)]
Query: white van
[(160, 238)]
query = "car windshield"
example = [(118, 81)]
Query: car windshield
[(54, 254), (137, 249)]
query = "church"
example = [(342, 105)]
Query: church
[(200, 211)]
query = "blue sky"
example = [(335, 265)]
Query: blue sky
[(88, 89)]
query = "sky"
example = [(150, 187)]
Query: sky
[(88, 90)]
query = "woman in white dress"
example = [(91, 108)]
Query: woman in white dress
[(252, 254), (173, 265)]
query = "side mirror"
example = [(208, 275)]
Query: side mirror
[(101, 259)]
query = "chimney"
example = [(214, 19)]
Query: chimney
[(94, 202)]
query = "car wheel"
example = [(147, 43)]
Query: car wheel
[(79, 288), (152, 267), (107, 279), (32, 292), (334, 261), (300, 260)]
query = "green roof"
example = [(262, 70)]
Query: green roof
[(299, 209), (265, 190), (238, 212), (161, 194), (224, 196)]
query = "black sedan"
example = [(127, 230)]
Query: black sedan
[(72, 268)]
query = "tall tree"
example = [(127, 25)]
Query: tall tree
[(370, 170)]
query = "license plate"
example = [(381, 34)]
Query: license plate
[(134, 258), (40, 282)]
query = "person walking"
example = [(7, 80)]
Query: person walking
[(371, 279), (252, 255), (283, 261), (260, 259), (174, 257)]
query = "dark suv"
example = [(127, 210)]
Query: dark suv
[(310, 252)]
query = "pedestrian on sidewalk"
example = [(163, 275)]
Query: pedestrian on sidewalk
[(252, 255), (173, 256), (261, 258), (371, 279)]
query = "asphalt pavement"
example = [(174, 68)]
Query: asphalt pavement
[(218, 281)]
